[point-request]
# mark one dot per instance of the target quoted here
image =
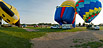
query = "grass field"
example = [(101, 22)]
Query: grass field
[(13, 37), (17, 37), (58, 30), (101, 28)]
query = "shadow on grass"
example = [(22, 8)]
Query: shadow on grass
[(9, 41), (13, 29), (17, 37)]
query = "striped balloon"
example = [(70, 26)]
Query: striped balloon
[(88, 9), (65, 13)]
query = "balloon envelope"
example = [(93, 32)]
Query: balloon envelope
[(9, 13), (88, 9), (65, 13)]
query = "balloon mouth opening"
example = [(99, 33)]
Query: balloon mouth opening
[(18, 23)]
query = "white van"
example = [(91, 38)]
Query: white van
[(93, 27), (67, 26)]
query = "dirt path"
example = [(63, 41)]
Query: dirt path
[(65, 39), (30, 30)]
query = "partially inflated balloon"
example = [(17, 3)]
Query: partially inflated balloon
[(88, 9), (65, 14), (9, 13)]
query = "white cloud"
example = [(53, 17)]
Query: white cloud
[(101, 1)]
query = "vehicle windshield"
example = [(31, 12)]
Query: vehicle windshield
[(95, 25)]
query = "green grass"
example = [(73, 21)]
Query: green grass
[(17, 37), (90, 44), (13, 37), (101, 28), (58, 30)]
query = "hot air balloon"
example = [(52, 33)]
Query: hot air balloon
[(88, 9), (9, 13), (65, 14)]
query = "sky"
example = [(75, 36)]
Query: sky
[(42, 11)]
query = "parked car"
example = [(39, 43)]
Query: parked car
[(96, 27), (55, 27), (93, 27)]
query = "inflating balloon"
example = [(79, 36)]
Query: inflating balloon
[(9, 13), (65, 14), (88, 9)]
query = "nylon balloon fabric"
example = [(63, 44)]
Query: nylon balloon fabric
[(88, 9), (65, 13)]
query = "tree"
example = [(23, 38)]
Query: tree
[(84, 24), (79, 24), (40, 23), (92, 24), (101, 24)]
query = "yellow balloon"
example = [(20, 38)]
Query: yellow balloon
[(71, 0), (69, 3), (8, 13)]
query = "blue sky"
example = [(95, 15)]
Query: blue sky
[(41, 11)]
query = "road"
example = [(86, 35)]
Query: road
[(65, 39)]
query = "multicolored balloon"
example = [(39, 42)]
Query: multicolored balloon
[(88, 9), (65, 14)]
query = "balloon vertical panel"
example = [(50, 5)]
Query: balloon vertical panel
[(57, 15)]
